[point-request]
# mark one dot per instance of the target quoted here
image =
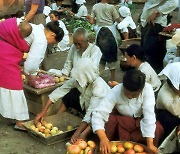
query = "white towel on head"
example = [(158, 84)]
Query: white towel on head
[(85, 71), (172, 72), (124, 11), (80, 1), (176, 37)]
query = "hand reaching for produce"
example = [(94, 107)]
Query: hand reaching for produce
[(75, 137), (153, 148), (40, 117), (105, 147)]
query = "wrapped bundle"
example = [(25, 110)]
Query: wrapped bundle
[(171, 28), (42, 81)]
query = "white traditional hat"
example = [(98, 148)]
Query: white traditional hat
[(176, 37), (172, 72), (80, 1), (47, 10), (170, 44), (124, 11)]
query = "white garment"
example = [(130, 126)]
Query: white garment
[(92, 51), (55, 7), (171, 52), (123, 3), (136, 107), (86, 79), (163, 6), (176, 37), (124, 11), (38, 44), (125, 23), (168, 100), (172, 72), (82, 12), (85, 71), (46, 10), (63, 45), (151, 75), (104, 14), (13, 104), (80, 1)]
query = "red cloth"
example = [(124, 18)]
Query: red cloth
[(12, 46), (126, 128)]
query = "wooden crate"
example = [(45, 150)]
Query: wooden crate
[(37, 98), (60, 120)]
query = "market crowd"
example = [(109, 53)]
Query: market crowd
[(144, 108)]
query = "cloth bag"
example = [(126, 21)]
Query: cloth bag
[(170, 144)]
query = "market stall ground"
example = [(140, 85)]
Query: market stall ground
[(15, 142)]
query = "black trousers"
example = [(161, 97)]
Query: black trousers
[(167, 120), (154, 46), (71, 100)]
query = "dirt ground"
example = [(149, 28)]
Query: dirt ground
[(15, 142)]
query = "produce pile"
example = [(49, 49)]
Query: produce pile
[(74, 23), (127, 148), (81, 147), (43, 80), (47, 129)]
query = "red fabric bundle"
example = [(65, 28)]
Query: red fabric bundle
[(42, 81), (170, 28)]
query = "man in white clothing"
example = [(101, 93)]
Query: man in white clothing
[(81, 48), (92, 88)]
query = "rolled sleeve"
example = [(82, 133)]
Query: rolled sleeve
[(100, 89), (37, 50), (147, 124), (168, 7), (101, 114), (62, 91)]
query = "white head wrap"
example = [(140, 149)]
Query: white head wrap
[(47, 10), (80, 1), (176, 37), (124, 11), (172, 72), (85, 71)]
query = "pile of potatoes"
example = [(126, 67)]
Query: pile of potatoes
[(45, 129), (59, 79)]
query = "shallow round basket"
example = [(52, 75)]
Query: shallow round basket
[(146, 149)]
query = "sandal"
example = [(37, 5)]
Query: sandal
[(17, 128)]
